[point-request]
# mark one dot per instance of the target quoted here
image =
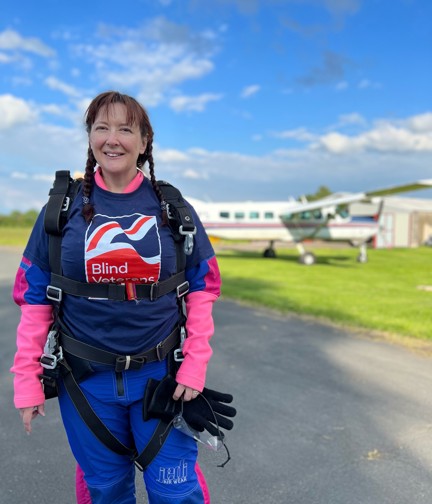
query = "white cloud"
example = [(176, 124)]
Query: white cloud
[(301, 134), (58, 85), (249, 91), (152, 59), (366, 84), (14, 111), (170, 156), (411, 135), (193, 103), (341, 86), (10, 40)]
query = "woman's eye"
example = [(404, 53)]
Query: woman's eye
[(128, 130)]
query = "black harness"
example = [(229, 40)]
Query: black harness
[(69, 358)]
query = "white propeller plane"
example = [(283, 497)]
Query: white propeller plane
[(325, 219)]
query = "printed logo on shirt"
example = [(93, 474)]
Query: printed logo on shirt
[(123, 248)]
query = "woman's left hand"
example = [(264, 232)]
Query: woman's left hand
[(187, 393)]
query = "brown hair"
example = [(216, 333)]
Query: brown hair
[(136, 114)]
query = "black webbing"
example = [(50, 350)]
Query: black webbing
[(118, 292), (104, 435)]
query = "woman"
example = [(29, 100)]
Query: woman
[(117, 233)]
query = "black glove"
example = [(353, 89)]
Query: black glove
[(208, 411)]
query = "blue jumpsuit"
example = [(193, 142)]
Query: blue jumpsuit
[(125, 241)]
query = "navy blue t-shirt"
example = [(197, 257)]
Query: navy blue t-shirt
[(124, 241)]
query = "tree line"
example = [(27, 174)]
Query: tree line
[(19, 219)]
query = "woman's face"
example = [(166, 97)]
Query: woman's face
[(116, 145)]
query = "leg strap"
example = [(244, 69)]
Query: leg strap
[(101, 431)]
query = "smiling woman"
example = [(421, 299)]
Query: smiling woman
[(116, 145), (106, 312)]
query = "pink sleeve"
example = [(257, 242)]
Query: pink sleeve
[(196, 348), (31, 336)]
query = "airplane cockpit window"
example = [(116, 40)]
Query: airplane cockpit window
[(305, 215), (224, 215), (317, 214), (253, 215), (239, 215), (342, 211), (268, 215)]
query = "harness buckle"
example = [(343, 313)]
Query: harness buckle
[(158, 351), (188, 241), (178, 352), (138, 466), (54, 293), (50, 361), (66, 203), (182, 289), (153, 291)]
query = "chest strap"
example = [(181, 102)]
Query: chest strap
[(116, 292), (120, 362)]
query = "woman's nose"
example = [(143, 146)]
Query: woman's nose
[(112, 138)]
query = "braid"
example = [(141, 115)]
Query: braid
[(155, 185), (88, 210)]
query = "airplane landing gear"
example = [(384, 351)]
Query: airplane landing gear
[(308, 258), (270, 251), (362, 256)]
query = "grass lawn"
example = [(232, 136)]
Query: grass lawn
[(16, 237), (390, 293)]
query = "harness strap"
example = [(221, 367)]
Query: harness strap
[(101, 431), (120, 362), (116, 292)]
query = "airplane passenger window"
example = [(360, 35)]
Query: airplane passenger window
[(253, 215), (224, 215), (268, 215), (317, 214), (239, 215), (305, 216)]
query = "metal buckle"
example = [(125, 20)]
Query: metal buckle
[(54, 293), (188, 232), (153, 294), (182, 289), (66, 203), (168, 211), (158, 351), (138, 466), (178, 352), (50, 361)]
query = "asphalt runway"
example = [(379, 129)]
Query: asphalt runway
[(325, 416)]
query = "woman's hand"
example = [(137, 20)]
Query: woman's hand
[(29, 414), (188, 393)]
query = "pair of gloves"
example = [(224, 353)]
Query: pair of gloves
[(209, 411)]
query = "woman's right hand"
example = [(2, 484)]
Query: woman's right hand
[(29, 414)]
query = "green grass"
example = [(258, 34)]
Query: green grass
[(15, 237), (380, 295)]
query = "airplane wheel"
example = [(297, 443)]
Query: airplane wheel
[(307, 259), (362, 258), (269, 253)]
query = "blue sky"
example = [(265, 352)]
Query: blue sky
[(249, 99)]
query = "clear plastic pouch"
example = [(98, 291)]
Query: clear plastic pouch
[(211, 442)]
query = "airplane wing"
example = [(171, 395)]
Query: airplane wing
[(336, 199)]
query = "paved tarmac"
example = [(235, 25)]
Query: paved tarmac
[(324, 416)]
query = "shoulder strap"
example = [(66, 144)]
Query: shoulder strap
[(59, 203), (180, 220)]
